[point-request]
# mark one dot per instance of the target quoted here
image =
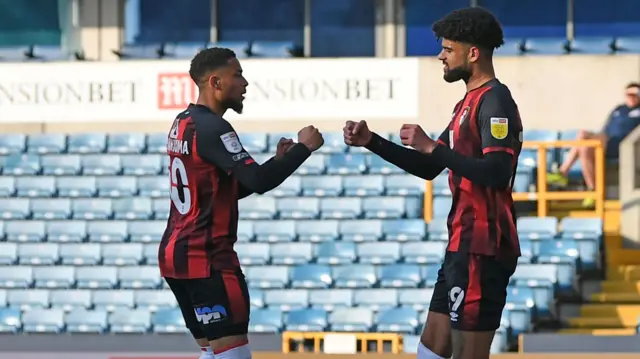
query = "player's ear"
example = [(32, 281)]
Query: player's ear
[(473, 54), (214, 82)]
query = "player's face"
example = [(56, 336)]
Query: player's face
[(233, 86), (455, 58), (632, 96)]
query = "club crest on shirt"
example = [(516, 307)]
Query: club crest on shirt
[(465, 112), (499, 127), (231, 142)]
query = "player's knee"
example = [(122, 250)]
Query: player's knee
[(231, 348), (435, 341)]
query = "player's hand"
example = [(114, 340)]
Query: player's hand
[(310, 137), (414, 136), (283, 146), (357, 134)]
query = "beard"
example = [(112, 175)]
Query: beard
[(236, 106), (458, 73)]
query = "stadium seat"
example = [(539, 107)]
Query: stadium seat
[(38, 253), (400, 276), (61, 165), (418, 299), (167, 321), (121, 254), (43, 321), (359, 186), (129, 321), (274, 137), (404, 185), (593, 45), (344, 164), (336, 253), (537, 227), (321, 186), (47, 143), (253, 253), (25, 231), (54, 277), (22, 165), (70, 300), (527, 251), (50, 53), (141, 165), (377, 165), (579, 228), (404, 230), (145, 277), (245, 231), (81, 320), (101, 277), (107, 231), (117, 186), (397, 320), (256, 298), (150, 254), (157, 143), (111, 300), (286, 299), (267, 276), (511, 47), (28, 299), (271, 49), (153, 186), (100, 165), (291, 187), (441, 185), (627, 44), (298, 208), (80, 254), (307, 320), (291, 253), (311, 276), (317, 231), (13, 53), (340, 208), (388, 207), (441, 207), (66, 231), (257, 207), (7, 186), (254, 142), (330, 299), (361, 230), (39, 186), (134, 208), (265, 321), (376, 299), (10, 320), (8, 253), (12, 143), (354, 276), (126, 143), (333, 143), (87, 143), (378, 252), (76, 186), (154, 300), (564, 251), (51, 208), (546, 46), (275, 231), (351, 320), (424, 252), (161, 207)]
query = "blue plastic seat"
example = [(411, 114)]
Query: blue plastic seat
[(267, 276), (359, 186), (598, 45), (275, 231), (307, 320), (336, 252), (404, 230), (257, 207), (355, 276), (10, 320), (546, 46), (418, 299), (111, 300), (107, 231), (126, 143), (563, 251), (161, 207), (130, 321), (346, 164), (627, 44), (291, 253), (378, 252), (43, 321), (51, 208), (66, 231), (12, 143), (361, 230), (527, 251), (71, 299), (298, 208), (330, 299), (38, 254), (376, 299), (441, 185), (8, 253), (254, 142), (317, 231), (150, 253), (168, 321), (16, 277), (314, 165), (182, 50), (138, 52), (424, 252), (54, 277), (157, 143), (274, 137), (351, 320), (133, 208), (400, 276), (286, 299), (271, 49), (141, 165), (153, 186), (333, 143), (256, 298), (321, 186), (25, 231), (28, 299), (7, 186), (144, 277), (61, 165), (80, 254), (398, 320), (384, 207), (76, 186), (579, 228), (14, 53), (253, 253), (291, 187), (377, 165), (511, 47), (245, 231), (36, 186), (45, 143), (92, 208), (441, 206), (311, 276), (21, 165), (87, 143), (117, 186), (265, 321), (14, 208), (340, 208), (86, 321), (522, 183), (102, 277), (404, 185), (121, 254)]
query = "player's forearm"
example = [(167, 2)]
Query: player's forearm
[(243, 191), (493, 170), (264, 178), (414, 162)]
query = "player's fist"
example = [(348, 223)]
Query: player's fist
[(414, 136), (310, 137), (283, 146), (357, 134)]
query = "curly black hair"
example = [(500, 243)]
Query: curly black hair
[(474, 25), (208, 60)]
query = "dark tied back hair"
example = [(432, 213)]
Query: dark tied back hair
[(474, 25), (208, 60)]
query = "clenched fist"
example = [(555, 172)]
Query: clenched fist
[(357, 134), (414, 136), (310, 137), (283, 146)]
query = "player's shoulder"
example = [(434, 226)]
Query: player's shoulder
[(207, 121), (496, 91)]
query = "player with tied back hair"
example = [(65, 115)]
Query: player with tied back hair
[(480, 147), (210, 171)]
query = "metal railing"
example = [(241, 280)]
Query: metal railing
[(542, 195)]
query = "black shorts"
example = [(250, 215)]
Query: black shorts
[(472, 290), (214, 307)]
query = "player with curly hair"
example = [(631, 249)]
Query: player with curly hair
[(480, 147)]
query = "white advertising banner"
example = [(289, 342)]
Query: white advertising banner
[(289, 89)]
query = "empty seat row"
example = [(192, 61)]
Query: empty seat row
[(580, 45), (186, 50)]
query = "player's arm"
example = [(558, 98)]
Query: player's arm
[(243, 191), (254, 178), (407, 159), (495, 168)]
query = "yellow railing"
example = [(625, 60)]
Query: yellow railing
[(293, 342), (542, 194)]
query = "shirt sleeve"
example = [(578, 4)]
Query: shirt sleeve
[(499, 123), (218, 143)]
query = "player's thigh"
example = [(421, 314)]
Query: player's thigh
[(221, 305), (436, 335), (183, 299)]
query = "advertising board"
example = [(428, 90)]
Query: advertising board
[(157, 90)]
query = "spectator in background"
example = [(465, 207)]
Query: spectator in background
[(622, 120)]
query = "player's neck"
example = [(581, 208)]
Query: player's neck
[(480, 78), (215, 107)]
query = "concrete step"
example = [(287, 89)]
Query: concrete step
[(603, 323), (609, 310)]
